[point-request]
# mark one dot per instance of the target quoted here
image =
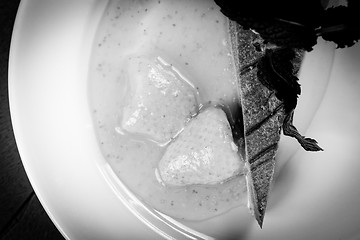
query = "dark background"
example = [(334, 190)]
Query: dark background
[(21, 214)]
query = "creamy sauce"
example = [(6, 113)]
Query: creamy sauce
[(192, 37)]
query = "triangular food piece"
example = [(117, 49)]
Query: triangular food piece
[(159, 101), (203, 153), (263, 117)]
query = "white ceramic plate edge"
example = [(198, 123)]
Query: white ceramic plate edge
[(24, 99)]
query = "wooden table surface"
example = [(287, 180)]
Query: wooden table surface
[(21, 214)]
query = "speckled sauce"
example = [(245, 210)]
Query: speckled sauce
[(192, 37)]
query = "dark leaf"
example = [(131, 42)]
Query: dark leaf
[(276, 72), (289, 129), (341, 25), (278, 22)]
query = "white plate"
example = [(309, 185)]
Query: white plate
[(316, 195), (49, 108)]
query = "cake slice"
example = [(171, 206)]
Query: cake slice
[(263, 116)]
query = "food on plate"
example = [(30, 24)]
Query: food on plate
[(186, 43), (160, 102), (203, 153), (189, 106), (263, 116), (269, 89)]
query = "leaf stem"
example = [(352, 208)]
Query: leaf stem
[(331, 29)]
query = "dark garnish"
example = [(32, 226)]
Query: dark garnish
[(340, 25), (296, 25), (289, 129), (276, 72)]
